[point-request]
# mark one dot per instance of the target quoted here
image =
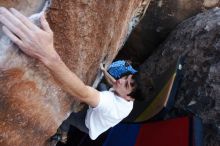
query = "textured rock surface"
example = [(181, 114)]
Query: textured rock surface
[(199, 39), (103, 29), (27, 7), (87, 32), (161, 18)]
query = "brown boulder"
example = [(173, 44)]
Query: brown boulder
[(32, 105)]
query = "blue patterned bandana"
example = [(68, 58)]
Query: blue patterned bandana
[(119, 68)]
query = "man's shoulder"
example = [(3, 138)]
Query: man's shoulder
[(107, 94)]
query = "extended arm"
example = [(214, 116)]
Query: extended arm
[(107, 76), (38, 43), (71, 83)]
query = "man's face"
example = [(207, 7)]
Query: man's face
[(124, 86)]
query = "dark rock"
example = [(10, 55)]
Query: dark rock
[(160, 19), (197, 39)]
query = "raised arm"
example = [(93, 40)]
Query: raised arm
[(38, 43), (111, 80)]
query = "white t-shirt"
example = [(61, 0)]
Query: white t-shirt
[(109, 112)]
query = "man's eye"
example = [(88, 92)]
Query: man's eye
[(126, 85), (132, 84)]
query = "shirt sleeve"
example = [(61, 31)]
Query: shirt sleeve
[(105, 102)]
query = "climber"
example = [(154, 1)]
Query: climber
[(116, 70), (106, 108)]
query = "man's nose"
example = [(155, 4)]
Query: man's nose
[(119, 81)]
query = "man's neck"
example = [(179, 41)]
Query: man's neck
[(127, 99)]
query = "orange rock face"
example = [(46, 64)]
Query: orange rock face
[(32, 105)]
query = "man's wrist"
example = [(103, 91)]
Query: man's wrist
[(51, 61)]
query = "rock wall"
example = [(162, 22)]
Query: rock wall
[(198, 39), (161, 18), (87, 32), (104, 27)]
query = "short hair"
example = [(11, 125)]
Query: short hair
[(143, 87)]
